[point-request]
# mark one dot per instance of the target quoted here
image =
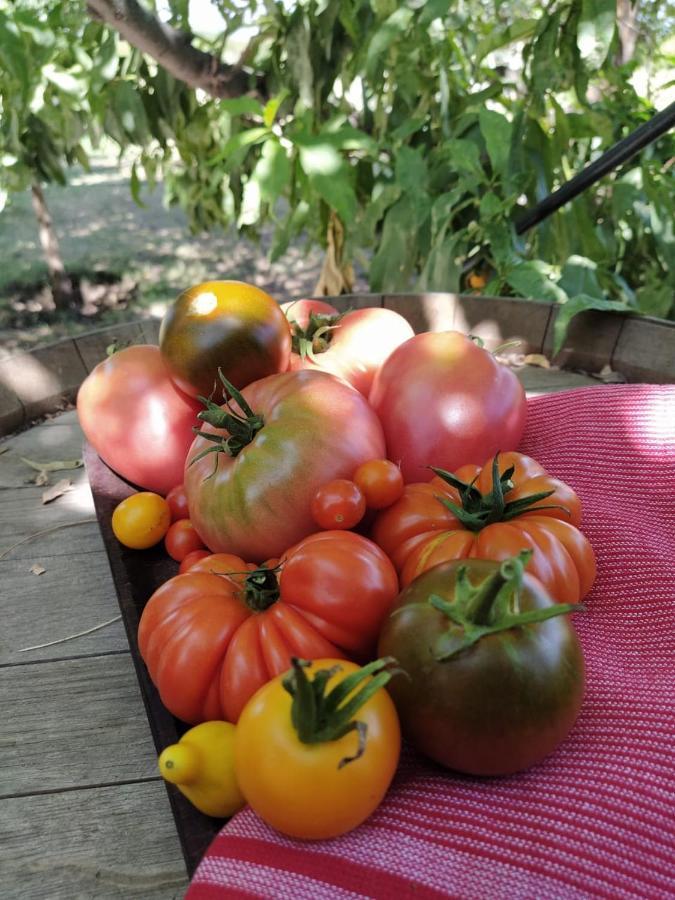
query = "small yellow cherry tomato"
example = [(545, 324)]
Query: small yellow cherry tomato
[(319, 789), (141, 521)]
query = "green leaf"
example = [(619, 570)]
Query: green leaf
[(13, 55), (529, 279), (272, 171), (441, 271), (464, 157), (298, 44), (491, 207), (502, 37), (329, 176), (394, 262), (656, 299), (241, 106), (385, 197), (411, 170), (390, 31), (573, 307), (135, 186), (496, 130), (595, 31), (64, 81), (272, 108), (579, 276)]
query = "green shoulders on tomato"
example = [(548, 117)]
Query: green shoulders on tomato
[(311, 428)]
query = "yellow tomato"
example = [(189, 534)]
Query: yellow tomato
[(201, 765), (141, 521), (322, 789)]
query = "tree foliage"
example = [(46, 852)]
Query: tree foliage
[(408, 136)]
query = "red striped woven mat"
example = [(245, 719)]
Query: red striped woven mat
[(595, 819)]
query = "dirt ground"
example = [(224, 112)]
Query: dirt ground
[(102, 230)]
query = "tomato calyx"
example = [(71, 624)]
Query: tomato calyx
[(261, 588), (489, 607), (242, 427), (316, 336), (478, 510), (319, 716)]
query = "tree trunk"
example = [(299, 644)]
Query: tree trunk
[(62, 286), (626, 20)]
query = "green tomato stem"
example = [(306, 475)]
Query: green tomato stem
[(488, 608), (319, 716), (241, 427)]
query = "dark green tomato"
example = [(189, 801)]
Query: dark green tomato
[(228, 325), (496, 707)]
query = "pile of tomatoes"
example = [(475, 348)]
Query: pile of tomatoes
[(360, 547)]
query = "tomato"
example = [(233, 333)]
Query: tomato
[(193, 557), (177, 500), (531, 510), (310, 784), (136, 419), (182, 539), (488, 692), (306, 428), (228, 325), (445, 401), (352, 345), (380, 481), (338, 504), (210, 642), (141, 520)]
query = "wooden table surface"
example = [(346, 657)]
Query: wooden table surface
[(84, 811)]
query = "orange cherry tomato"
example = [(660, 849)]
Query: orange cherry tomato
[(338, 504), (380, 481), (141, 520), (181, 539)]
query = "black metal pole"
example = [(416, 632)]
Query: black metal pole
[(619, 153)]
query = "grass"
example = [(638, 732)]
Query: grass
[(100, 228)]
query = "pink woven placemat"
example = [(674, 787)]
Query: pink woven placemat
[(595, 819)]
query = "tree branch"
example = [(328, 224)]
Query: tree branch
[(170, 47)]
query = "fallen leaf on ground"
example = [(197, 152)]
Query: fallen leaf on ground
[(53, 466), (536, 359), (41, 479), (609, 376), (37, 569), (4, 449), (56, 490)]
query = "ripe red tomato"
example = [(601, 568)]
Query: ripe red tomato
[(310, 428), (339, 504), (210, 642), (193, 557), (352, 345), (136, 419), (483, 694), (182, 539), (177, 500), (380, 481), (444, 401), (228, 325), (419, 530)]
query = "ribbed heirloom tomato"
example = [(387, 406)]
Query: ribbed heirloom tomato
[(253, 470), (491, 512), (210, 642)]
